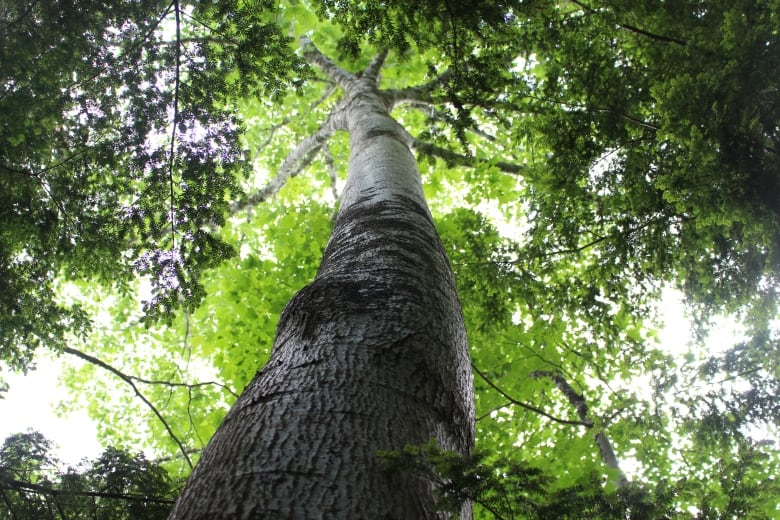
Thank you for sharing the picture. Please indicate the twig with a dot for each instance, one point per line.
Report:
(528, 406)
(18, 485)
(129, 380)
(494, 409)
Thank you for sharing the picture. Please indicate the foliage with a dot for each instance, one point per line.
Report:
(223, 344)
(505, 486)
(120, 152)
(664, 147)
(116, 485)
(579, 158)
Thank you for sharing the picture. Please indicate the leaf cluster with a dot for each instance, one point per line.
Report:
(120, 150)
(450, 27)
(116, 485)
(508, 488)
(657, 137)
(504, 487)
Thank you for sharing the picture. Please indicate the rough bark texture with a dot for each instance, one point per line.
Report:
(372, 355)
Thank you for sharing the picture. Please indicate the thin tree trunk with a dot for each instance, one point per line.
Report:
(372, 355)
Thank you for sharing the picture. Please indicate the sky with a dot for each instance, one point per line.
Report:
(31, 403)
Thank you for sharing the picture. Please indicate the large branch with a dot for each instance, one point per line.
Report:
(129, 380)
(307, 149)
(297, 160)
(372, 70)
(313, 55)
(286, 120)
(579, 404)
(456, 158)
(526, 405)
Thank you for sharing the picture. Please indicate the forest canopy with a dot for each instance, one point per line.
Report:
(169, 179)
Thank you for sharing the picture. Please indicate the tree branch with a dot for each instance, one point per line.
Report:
(295, 161)
(313, 55)
(183, 385)
(331, 170)
(525, 405)
(567, 104)
(39, 177)
(636, 30)
(172, 153)
(129, 380)
(372, 70)
(593, 242)
(419, 93)
(653, 36)
(494, 409)
(456, 158)
(579, 404)
(273, 128)
(18, 485)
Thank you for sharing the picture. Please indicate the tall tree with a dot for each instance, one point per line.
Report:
(629, 146)
(372, 355)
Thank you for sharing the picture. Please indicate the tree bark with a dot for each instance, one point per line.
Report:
(372, 355)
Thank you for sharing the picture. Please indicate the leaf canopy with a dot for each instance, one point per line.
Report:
(579, 157)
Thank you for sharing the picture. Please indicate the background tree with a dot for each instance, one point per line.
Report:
(116, 485)
(630, 147)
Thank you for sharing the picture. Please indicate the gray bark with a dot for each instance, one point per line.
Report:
(372, 355)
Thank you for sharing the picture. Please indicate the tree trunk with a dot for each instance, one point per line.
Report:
(372, 355)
